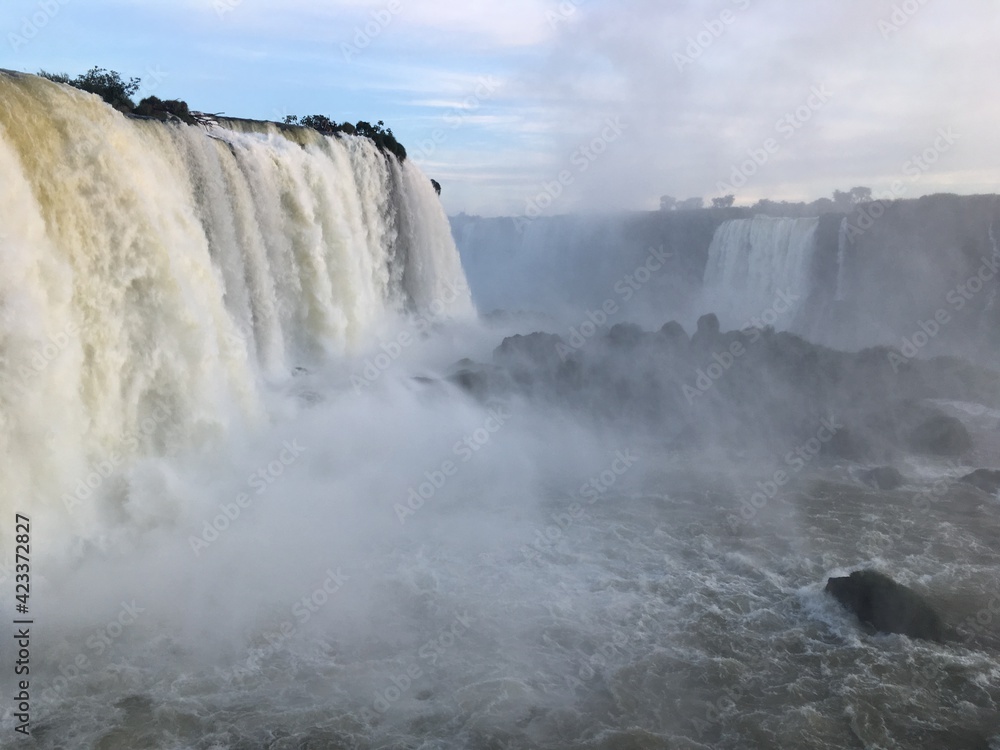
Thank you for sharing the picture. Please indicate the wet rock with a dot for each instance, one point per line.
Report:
(887, 606)
(707, 330)
(988, 480)
(882, 477)
(940, 435)
(673, 333)
(625, 335)
(535, 349)
(475, 382)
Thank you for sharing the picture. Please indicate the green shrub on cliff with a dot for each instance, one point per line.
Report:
(382, 136)
(107, 84)
(159, 109)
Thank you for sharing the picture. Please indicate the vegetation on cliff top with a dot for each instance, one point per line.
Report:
(378, 133)
(107, 84)
(118, 92)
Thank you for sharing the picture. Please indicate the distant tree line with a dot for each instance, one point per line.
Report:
(670, 203)
(842, 202)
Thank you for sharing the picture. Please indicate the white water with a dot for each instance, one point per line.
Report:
(759, 269)
(842, 240)
(165, 273)
(179, 279)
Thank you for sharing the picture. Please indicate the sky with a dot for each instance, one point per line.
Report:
(528, 107)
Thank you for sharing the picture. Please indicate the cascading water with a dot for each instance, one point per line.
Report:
(399, 547)
(150, 270)
(842, 240)
(759, 268)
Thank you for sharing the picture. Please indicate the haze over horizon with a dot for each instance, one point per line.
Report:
(578, 105)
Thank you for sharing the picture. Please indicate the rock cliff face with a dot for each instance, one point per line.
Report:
(925, 271)
(919, 275)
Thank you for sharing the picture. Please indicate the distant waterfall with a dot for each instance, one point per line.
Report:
(152, 275)
(759, 269)
(842, 240)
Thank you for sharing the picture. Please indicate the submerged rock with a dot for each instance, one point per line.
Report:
(882, 477)
(887, 606)
(988, 480)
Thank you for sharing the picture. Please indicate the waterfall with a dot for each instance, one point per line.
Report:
(759, 270)
(842, 240)
(154, 276)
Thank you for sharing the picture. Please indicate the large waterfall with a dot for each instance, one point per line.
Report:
(155, 276)
(282, 489)
(759, 270)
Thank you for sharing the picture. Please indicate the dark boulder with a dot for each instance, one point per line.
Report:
(538, 359)
(673, 333)
(988, 480)
(887, 606)
(625, 335)
(940, 435)
(474, 382)
(707, 331)
(534, 349)
(882, 477)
